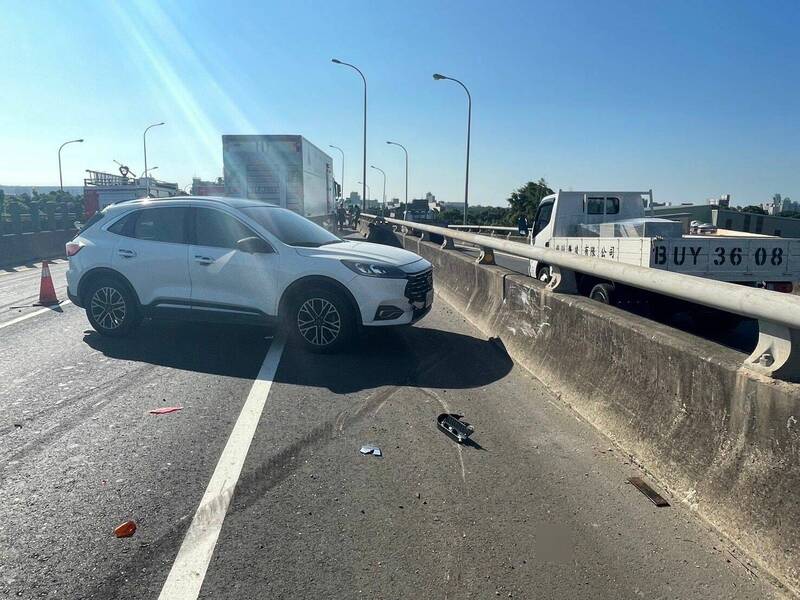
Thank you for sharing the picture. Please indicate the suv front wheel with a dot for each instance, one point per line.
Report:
(110, 308)
(321, 319)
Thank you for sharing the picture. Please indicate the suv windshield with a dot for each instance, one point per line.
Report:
(290, 228)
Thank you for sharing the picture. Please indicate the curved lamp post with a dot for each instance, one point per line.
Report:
(439, 77)
(61, 179)
(144, 143)
(364, 167)
(406, 152)
(341, 190)
(383, 207)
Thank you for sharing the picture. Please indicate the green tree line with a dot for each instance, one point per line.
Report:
(523, 201)
(26, 201)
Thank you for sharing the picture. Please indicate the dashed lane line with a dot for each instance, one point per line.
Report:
(189, 569)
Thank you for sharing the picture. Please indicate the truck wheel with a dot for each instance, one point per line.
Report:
(603, 292)
(321, 320)
(543, 273)
(111, 308)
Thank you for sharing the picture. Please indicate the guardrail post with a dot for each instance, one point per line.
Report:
(425, 237)
(777, 353)
(486, 257)
(447, 244)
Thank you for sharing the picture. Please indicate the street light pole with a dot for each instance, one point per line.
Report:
(341, 190)
(363, 200)
(406, 151)
(60, 178)
(438, 77)
(383, 208)
(144, 143)
(364, 167)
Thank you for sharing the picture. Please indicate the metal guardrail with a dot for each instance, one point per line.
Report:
(777, 352)
(491, 230)
(482, 228)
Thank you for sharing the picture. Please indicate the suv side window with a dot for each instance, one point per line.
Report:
(124, 225)
(160, 225)
(218, 229)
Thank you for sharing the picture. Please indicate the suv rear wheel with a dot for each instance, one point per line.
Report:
(321, 319)
(111, 308)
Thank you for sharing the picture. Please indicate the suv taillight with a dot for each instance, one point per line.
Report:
(73, 248)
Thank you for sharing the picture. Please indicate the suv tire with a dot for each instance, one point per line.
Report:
(111, 308)
(321, 319)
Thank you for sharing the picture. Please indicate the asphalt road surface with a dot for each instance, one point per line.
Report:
(256, 487)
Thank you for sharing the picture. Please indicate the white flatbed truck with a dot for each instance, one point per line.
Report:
(614, 226)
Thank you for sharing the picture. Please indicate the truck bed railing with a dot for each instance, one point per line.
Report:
(777, 352)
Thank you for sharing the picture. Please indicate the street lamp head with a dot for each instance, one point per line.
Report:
(336, 60)
(437, 76)
(162, 123)
(80, 140)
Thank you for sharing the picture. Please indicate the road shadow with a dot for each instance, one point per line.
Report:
(410, 356)
(202, 348)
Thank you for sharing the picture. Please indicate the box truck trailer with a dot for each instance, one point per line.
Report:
(285, 170)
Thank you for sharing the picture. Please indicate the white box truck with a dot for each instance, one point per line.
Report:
(614, 226)
(286, 170)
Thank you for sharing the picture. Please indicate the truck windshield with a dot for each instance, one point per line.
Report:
(290, 228)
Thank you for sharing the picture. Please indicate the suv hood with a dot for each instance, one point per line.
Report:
(363, 251)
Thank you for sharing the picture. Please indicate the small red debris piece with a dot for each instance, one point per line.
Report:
(127, 529)
(165, 410)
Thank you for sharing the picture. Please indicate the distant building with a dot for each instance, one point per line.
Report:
(353, 198)
(430, 198)
(788, 206)
(723, 201)
(734, 220)
(208, 188)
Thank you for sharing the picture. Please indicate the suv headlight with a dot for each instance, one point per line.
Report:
(372, 269)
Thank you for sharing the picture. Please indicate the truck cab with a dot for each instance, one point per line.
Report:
(567, 214)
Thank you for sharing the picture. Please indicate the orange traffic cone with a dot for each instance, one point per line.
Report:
(47, 293)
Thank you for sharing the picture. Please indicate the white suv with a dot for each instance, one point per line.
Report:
(241, 261)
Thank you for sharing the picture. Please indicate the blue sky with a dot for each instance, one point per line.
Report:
(692, 99)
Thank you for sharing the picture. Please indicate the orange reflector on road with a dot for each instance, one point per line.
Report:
(127, 529)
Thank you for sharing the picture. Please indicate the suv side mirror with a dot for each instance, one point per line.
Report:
(254, 245)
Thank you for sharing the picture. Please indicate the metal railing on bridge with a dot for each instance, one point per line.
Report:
(491, 230)
(777, 352)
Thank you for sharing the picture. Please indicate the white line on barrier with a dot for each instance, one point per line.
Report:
(189, 569)
(33, 314)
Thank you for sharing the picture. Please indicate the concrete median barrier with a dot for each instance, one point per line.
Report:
(21, 248)
(722, 439)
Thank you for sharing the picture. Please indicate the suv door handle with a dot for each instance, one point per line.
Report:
(203, 260)
(126, 253)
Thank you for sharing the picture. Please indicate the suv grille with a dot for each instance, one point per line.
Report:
(418, 286)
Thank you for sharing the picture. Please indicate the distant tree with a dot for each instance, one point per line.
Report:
(792, 214)
(757, 210)
(452, 215)
(526, 199)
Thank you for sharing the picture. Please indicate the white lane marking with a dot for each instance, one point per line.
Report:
(189, 569)
(33, 314)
